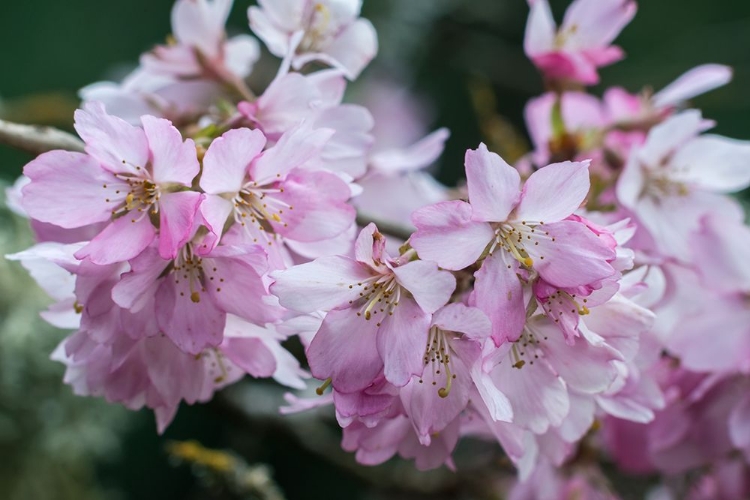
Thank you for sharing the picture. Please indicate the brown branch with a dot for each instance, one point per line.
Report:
(258, 403)
(37, 139)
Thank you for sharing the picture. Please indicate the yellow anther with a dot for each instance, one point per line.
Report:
(195, 297)
(528, 262)
(319, 391)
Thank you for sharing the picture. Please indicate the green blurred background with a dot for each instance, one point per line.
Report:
(56, 446)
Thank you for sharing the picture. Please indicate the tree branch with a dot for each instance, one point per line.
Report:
(256, 403)
(37, 139)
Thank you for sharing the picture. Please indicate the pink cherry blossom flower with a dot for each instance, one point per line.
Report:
(316, 99)
(394, 435)
(201, 49)
(538, 371)
(328, 31)
(144, 93)
(452, 368)
(678, 176)
(271, 194)
(154, 372)
(582, 117)
(517, 232)
(193, 293)
(398, 175)
(134, 178)
(379, 311)
(582, 43)
(636, 113)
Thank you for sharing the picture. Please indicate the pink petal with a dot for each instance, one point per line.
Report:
(497, 405)
(540, 29)
(67, 189)
(319, 208)
(499, 294)
(345, 350)
(241, 52)
(237, 286)
(714, 163)
(284, 104)
(251, 355)
(721, 246)
(262, 25)
(571, 255)
(450, 221)
(192, 326)
(401, 341)
(739, 425)
(369, 248)
(173, 373)
(597, 22)
(200, 24)
(430, 287)
(439, 451)
(416, 157)
(457, 317)
(554, 192)
(323, 284)
(354, 48)
(215, 211)
(137, 288)
(172, 160)
(295, 148)
(429, 412)
(227, 160)
(493, 185)
(177, 215)
(114, 142)
(120, 241)
(582, 366)
(695, 82)
(538, 396)
(667, 137)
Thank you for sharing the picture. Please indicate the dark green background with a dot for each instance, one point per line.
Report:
(56, 47)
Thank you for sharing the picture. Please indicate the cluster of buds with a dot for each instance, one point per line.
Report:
(594, 295)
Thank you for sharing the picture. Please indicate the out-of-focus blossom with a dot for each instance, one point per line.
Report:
(678, 176)
(326, 31)
(582, 44)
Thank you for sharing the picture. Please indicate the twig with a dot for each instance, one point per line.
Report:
(37, 139)
(260, 402)
(250, 480)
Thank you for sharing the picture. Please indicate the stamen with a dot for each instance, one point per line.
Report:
(319, 391)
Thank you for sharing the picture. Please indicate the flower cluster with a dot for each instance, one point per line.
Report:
(593, 296)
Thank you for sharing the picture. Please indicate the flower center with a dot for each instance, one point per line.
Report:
(660, 185)
(197, 272)
(513, 238)
(253, 205)
(379, 294)
(317, 34)
(525, 348)
(142, 194)
(439, 355)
